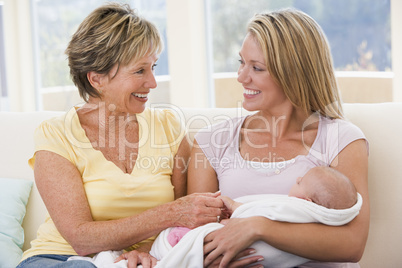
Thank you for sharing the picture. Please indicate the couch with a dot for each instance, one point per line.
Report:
(380, 122)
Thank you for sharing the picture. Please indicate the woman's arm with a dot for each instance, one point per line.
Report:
(202, 178)
(314, 241)
(180, 165)
(201, 175)
(60, 185)
(318, 241)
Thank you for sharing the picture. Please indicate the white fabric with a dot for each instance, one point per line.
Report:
(104, 259)
(292, 209)
(189, 251)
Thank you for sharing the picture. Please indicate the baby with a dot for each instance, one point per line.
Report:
(322, 195)
(322, 185)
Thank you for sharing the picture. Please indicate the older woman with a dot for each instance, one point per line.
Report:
(110, 170)
(288, 79)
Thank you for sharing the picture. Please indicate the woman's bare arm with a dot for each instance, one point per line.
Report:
(201, 176)
(318, 241)
(314, 241)
(60, 185)
(180, 169)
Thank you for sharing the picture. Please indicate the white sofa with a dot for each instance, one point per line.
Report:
(380, 122)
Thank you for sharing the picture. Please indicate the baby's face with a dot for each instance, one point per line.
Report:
(298, 189)
(302, 186)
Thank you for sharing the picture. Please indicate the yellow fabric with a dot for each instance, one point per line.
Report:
(111, 193)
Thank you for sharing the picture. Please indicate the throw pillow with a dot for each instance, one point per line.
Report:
(14, 194)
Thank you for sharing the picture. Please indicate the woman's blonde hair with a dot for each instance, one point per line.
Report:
(298, 57)
(111, 34)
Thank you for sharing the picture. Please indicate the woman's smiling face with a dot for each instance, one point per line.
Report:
(260, 90)
(127, 86)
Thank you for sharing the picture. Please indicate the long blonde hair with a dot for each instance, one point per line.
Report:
(298, 57)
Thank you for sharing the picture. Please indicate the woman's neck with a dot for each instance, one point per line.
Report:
(279, 124)
(105, 115)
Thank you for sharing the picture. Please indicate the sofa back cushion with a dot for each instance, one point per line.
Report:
(380, 123)
(17, 146)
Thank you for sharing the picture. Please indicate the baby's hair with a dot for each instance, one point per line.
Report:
(333, 189)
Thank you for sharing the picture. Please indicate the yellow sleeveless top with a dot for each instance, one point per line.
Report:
(111, 193)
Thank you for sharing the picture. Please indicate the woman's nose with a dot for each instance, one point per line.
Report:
(151, 81)
(242, 75)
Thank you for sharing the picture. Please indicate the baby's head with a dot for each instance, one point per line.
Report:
(327, 187)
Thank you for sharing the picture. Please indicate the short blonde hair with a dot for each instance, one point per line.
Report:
(298, 57)
(111, 34)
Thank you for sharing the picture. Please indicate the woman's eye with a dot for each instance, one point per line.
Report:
(241, 62)
(153, 66)
(141, 71)
(257, 69)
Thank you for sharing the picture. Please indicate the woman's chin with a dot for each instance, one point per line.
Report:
(137, 107)
(135, 110)
(250, 108)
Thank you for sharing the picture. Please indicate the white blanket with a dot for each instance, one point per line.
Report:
(189, 251)
(104, 259)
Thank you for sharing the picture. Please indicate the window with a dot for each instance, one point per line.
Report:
(55, 22)
(359, 34)
(358, 31)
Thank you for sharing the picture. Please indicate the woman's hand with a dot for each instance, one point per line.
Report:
(230, 206)
(136, 257)
(226, 245)
(240, 260)
(197, 209)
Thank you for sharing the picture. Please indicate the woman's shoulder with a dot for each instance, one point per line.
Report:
(165, 118)
(65, 128)
(334, 135)
(228, 124)
(167, 122)
(162, 114)
(342, 127)
(61, 121)
(220, 133)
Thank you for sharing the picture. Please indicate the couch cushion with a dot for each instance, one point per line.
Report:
(14, 195)
(383, 129)
(17, 146)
